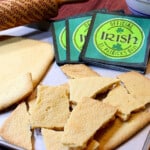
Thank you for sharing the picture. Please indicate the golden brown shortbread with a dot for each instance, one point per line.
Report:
(78, 71)
(16, 128)
(51, 109)
(119, 132)
(86, 118)
(125, 102)
(14, 90)
(89, 87)
(20, 55)
(52, 139)
(136, 83)
(92, 145)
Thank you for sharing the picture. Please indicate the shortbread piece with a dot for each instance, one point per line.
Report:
(86, 118)
(30, 103)
(124, 102)
(16, 129)
(136, 83)
(51, 109)
(78, 71)
(14, 90)
(20, 55)
(32, 98)
(89, 87)
(52, 140)
(119, 132)
(93, 145)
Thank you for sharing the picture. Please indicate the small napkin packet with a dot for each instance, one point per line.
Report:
(76, 29)
(59, 40)
(66, 45)
(118, 41)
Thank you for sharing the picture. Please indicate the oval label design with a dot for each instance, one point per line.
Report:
(118, 38)
(80, 34)
(62, 38)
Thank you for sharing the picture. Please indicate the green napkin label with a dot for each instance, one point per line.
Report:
(59, 40)
(77, 29)
(62, 38)
(80, 33)
(117, 40)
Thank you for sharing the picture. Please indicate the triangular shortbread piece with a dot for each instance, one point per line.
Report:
(78, 71)
(119, 132)
(125, 102)
(51, 109)
(16, 129)
(86, 118)
(14, 90)
(89, 87)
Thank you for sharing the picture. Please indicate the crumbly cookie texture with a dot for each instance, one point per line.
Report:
(51, 109)
(90, 87)
(121, 131)
(14, 90)
(16, 129)
(79, 127)
(75, 71)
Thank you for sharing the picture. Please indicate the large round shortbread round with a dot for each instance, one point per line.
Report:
(20, 55)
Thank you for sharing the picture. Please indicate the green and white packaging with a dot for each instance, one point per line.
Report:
(59, 40)
(118, 40)
(77, 29)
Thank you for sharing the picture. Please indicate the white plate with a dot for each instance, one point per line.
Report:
(55, 77)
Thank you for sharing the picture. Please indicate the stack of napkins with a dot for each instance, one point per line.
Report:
(107, 39)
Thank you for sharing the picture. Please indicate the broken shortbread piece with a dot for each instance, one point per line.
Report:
(120, 131)
(14, 90)
(51, 109)
(16, 129)
(86, 118)
(124, 102)
(78, 71)
(92, 145)
(52, 139)
(19, 55)
(89, 87)
(136, 83)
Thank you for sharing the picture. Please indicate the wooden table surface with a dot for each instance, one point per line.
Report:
(72, 9)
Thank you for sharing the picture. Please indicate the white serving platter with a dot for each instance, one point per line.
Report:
(55, 77)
